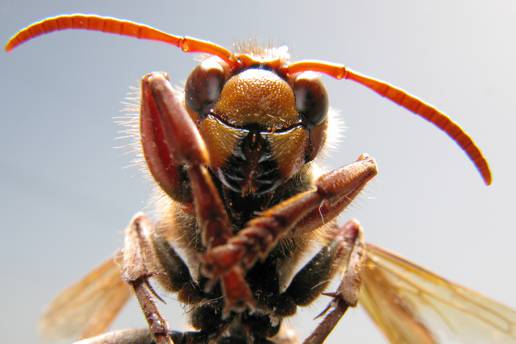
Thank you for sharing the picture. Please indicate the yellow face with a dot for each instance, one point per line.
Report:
(260, 127)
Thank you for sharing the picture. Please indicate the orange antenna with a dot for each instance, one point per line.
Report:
(189, 44)
(406, 100)
(116, 26)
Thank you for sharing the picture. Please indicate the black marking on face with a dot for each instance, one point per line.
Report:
(251, 169)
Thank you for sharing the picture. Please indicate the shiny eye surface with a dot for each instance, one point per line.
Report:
(311, 98)
(203, 86)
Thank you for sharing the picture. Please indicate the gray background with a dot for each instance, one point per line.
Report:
(66, 196)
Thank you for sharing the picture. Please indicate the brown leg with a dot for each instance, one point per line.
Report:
(301, 213)
(347, 292)
(180, 141)
(173, 131)
(139, 264)
(161, 160)
(311, 281)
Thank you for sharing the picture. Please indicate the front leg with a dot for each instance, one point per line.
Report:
(300, 214)
(171, 139)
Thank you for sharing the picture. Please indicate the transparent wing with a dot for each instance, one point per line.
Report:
(88, 307)
(413, 305)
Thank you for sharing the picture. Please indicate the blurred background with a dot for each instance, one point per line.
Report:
(67, 193)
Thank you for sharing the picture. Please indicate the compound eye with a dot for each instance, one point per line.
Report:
(311, 99)
(203, 86)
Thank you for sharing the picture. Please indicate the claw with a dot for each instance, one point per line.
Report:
(153, 291)
(323, 312)
(237, 295)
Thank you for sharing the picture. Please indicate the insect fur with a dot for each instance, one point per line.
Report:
(234, 161)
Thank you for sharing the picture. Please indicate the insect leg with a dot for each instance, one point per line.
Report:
(164, 166)
(299, 214)
(315, 276)
(347, 292)
(139, 264)
(173, 130)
